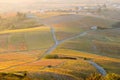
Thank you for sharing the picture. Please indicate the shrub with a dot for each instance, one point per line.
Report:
(51, 56)
(14, 76)
(112, 76)
(95, 77)
(49, 66)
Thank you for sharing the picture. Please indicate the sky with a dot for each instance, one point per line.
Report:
(10, 5)
(18, 1)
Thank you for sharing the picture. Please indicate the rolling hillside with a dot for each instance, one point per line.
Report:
(70, 25)
(64, 47)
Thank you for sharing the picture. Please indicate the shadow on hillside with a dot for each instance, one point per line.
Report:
(117, 25)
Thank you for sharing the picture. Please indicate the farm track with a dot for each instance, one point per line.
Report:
(57, 43)
(98, 67)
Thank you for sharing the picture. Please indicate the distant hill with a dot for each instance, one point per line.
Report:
(23, 5)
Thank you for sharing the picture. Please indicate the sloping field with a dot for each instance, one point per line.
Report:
(70, 25)
(106, 62)
(26, 39)
(102, 42)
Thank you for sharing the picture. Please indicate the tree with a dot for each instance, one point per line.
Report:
(99, 8)
(0, 17)
(77, 10)
(95, 76)
(110, 76)
(20, 15)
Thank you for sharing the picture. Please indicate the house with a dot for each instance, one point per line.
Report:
(94, 27)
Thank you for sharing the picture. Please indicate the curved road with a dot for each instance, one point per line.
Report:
(98, 67)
